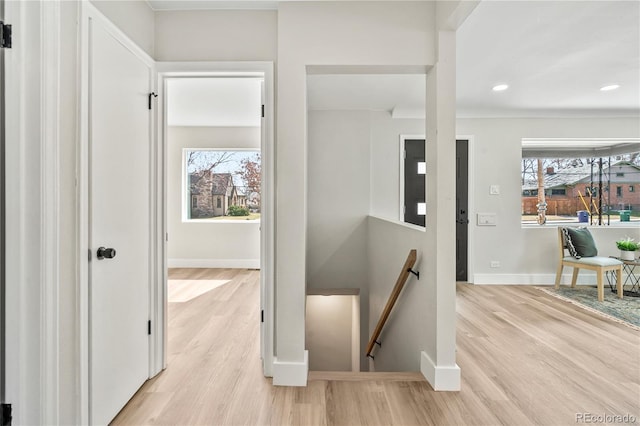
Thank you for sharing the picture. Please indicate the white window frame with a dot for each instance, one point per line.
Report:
(548, 148)
(185, 199)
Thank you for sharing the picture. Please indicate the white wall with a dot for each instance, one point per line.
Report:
(134, 17)
(361, 33)
(329, 332)
(385, 161)
(197, 244)
(338, 198)
(403, 337)
(220, 35)
(338, 204)
(526, 254)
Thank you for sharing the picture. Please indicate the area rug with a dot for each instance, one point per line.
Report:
(625, 311)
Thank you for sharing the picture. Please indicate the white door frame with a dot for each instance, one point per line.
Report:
(471, 194)
(89, 13)
(32, 211)
(470, 205)
(267, 235)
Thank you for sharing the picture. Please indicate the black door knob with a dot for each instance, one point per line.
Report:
(106, 253)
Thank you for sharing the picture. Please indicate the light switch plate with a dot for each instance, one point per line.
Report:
(486, 219)
(494, 190)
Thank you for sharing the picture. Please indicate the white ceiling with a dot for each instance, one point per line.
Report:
(223, 102)
(554, 55)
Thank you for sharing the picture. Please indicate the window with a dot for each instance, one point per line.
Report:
(212, 175)
(414, 166)
(572, 185)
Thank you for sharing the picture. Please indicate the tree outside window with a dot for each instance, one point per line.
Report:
(222, 184)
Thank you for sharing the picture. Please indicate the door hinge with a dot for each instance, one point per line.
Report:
(149, 327)
(262, 315)
(5, 35)
(151, 96)
(262, 111)
(5, 414)
(89, 255)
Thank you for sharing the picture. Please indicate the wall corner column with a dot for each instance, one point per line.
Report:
(439, 363)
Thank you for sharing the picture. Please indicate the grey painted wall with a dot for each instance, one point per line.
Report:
(224, 244)
(403, 337)
(338, 203)
(216, 35)
(329, 332)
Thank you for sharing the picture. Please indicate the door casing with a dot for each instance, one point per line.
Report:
(32, 267)
(470, 188)
(470, 204)
(462, 210)
(267, 223)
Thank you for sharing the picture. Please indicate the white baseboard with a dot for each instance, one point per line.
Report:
(214, 263)
(291, 373)
(441, 378)
(531, 279)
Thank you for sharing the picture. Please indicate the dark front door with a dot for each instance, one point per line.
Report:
(414, 181)
(462, 212)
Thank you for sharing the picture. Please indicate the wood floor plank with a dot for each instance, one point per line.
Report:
(527, 358)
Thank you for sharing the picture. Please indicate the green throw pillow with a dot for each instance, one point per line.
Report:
(583, 242)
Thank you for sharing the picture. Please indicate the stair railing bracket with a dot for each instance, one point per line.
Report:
(416, 273)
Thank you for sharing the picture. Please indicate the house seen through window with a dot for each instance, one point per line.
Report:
(558, 190)
(222, 185)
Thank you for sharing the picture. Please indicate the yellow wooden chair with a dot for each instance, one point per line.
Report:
(599, 264)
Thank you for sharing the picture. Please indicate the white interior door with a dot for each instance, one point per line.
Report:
(119, 218)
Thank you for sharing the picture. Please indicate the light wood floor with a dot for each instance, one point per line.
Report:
(526, 358)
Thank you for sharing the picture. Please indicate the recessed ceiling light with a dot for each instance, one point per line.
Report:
(609, 87)
(500, 87)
